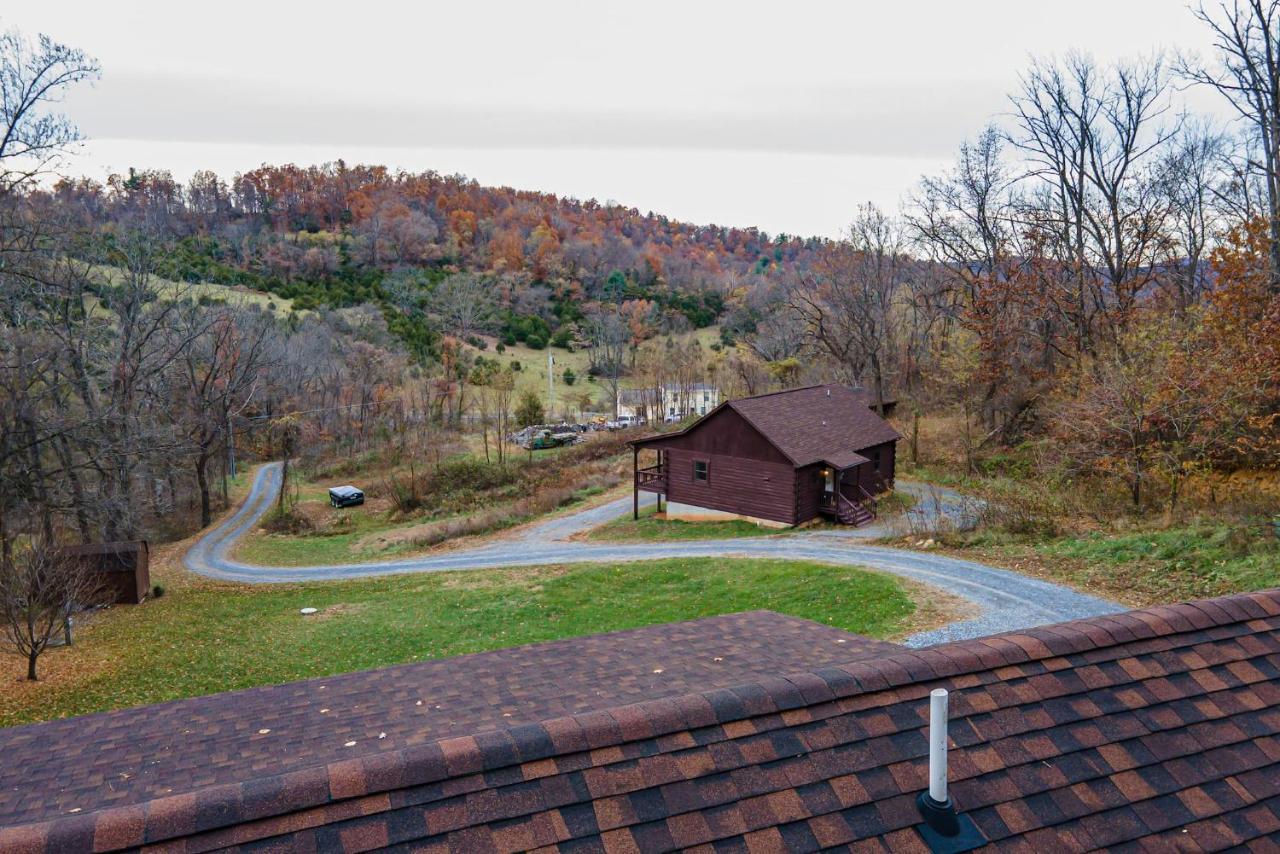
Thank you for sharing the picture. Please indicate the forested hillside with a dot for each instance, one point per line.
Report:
(526, 264)
(1091, 294)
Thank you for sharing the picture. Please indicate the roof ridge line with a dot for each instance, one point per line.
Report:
(440, 759)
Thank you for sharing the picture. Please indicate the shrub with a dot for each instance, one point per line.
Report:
(535, 342)
(470, 473)
(501, 348)
(287, 522)
(569, 376)
(157, 591)
(562, 339)
(515, 365)
(529, 409)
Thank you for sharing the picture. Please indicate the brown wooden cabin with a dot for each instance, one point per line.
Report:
(777, 459)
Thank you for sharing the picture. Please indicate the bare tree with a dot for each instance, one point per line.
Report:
(34, 76)
(847, 302)
(608, 337)
(1247, 39)
(463, 302)
(40, 588)
(219, 368)
(1091, 136)
(1189, 176)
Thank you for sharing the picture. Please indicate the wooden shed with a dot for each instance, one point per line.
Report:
(125, 568)
(776, 459)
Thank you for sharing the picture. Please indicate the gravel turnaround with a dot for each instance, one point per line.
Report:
(1006, 600)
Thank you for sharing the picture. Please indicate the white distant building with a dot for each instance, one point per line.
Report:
(671, 402)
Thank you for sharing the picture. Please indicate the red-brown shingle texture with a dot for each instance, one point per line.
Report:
(1156, 729)
(817, 423)
(137, 755)
(821, 423)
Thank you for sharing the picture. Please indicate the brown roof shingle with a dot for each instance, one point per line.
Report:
(815, 424)
(1153, 729)
(136, 755)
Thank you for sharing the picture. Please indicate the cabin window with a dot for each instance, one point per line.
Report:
(875, 460)
(700, 470)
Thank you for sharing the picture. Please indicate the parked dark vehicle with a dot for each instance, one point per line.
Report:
(345, 496)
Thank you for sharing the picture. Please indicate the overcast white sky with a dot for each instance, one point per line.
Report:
(781, 115)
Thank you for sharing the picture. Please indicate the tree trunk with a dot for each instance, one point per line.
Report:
(202, 479)
(915, 438)
(31, 666)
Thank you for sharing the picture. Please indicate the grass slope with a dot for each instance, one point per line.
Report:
(196, 290)
(1141, 568)
(203, 637)
(1179, 563)
(649, 528)
(533, 368)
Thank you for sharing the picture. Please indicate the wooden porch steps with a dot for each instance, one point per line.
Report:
(853, 512)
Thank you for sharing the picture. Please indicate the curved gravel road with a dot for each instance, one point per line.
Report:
(1006, 600)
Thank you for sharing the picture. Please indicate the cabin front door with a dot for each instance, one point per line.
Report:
(828, 477)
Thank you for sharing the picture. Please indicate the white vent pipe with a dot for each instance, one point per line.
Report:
(938, 745)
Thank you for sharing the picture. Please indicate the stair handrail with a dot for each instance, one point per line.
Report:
(872, 500)
(854, 505)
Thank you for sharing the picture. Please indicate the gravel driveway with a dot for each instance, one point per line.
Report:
(1006, 600)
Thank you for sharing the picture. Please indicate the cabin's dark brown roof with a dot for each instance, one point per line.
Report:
(815, 424)
(1154, 729)
(140, 754)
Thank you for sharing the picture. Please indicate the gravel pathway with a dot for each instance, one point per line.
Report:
(1006, 600)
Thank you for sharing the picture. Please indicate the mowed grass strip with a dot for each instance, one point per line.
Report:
(205, 638)
(651, 528)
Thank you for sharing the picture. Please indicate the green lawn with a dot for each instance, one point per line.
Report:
(321, 547)
(1180, 563)
(649, 527)
(1142, 567)
(533, 367)
(206, 638)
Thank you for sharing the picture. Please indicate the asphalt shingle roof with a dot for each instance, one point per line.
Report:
(811, 424)
(134, 755)
(815, 424)
(1153, 729)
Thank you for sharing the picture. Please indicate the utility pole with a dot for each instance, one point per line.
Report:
(551, 389)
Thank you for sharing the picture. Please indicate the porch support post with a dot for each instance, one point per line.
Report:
(635, 489)
(662, 464)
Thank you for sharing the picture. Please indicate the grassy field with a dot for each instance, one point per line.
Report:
(464, 496)
(367, 535)
(197, 290)
(649, 527)
(533, 367)
(1176, 563)
(1140, 567)
(204, 637)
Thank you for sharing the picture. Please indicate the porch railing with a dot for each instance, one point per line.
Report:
(652, 478)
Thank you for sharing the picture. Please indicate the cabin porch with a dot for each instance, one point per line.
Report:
(845, 497)
(652, 478)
